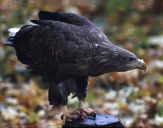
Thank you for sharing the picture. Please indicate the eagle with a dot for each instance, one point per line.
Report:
(65, 49)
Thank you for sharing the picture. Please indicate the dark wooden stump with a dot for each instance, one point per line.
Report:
(99, 121)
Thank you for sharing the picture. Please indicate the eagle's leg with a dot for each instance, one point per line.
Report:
(58, 97)
(69, 115)
(81, 94)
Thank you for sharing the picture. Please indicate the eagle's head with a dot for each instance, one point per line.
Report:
(116, 59)
(124, 60)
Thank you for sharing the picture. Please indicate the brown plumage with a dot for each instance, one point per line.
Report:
(67, 48)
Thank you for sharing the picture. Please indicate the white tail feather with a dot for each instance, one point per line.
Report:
(13, 31)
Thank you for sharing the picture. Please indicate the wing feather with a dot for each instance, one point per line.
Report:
(70, 18)
(54, 45)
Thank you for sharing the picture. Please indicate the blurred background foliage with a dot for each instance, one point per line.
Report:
(134, 96)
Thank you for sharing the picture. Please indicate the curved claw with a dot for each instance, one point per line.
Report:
(86, 112)
(70, 115)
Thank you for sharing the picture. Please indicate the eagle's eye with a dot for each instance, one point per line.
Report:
(131, 58)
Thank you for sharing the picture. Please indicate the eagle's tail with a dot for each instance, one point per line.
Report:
(12, 33)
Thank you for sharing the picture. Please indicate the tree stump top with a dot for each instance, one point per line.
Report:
(99, 121)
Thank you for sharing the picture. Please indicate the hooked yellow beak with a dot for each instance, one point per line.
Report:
(141, 65)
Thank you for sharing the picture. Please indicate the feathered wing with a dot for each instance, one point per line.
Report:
(55, 49)
(55, 46)
(70, 18)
